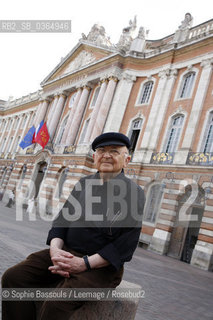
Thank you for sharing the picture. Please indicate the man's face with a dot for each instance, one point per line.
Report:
(111, 159)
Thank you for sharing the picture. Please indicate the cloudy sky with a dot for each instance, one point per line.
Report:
(27, 58)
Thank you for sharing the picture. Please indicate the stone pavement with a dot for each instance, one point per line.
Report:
(174, 290)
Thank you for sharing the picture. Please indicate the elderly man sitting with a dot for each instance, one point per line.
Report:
(94, 234)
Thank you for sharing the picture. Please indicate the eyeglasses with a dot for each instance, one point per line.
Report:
(111, 152)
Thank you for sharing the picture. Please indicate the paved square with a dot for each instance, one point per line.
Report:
(173, 290)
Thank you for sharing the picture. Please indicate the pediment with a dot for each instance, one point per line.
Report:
(81, 57)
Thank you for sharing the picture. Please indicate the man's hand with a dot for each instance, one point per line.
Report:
(64, 262)
(58, 255)
(65, 265)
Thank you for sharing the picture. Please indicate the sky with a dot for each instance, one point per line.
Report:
(27, 58)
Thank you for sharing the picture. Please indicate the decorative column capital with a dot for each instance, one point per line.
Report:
(164, 73)
(45, 98)
(113, 78)
(174, 72)
(128, 77)
(78, 88)
(206, 63)
(63, 94)
(87, 87)
(103, 79)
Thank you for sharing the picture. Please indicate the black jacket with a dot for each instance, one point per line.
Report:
(102, 218)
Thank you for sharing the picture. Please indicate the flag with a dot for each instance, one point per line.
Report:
(28, 139)
(42, 136)
(38, 128)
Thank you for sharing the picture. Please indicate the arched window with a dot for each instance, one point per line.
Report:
(208, 139)
(95, 97)
(84, 131)
(173, 135)
(134, 133)
(153, 202)
(72, 100)
(187, 84)
(61, 130)
(145, 92)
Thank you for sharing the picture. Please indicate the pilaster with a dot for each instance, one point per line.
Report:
(119, 104)
(104, 107)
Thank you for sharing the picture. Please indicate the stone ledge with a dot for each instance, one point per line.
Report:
(121, 309)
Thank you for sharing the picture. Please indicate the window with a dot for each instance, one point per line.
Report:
(84, 131)
(174, 134)
(208, 139)
(154, 198)
(72, 100)
(32, 120)
(187, 84)
(3, 144)
(9, 124)
(134, 133)
(16, 123)
(23, 122)
(2, 125)
(9, 144)
(61, 130)
(95, 97)
(145, 92)
(16, 144)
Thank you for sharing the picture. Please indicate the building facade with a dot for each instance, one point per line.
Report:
(160, 94)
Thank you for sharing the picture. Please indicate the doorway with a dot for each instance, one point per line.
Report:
(39, 178)
(185, 233)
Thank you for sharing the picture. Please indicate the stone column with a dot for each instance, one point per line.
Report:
(119, 104)
(194, 117)
(4, 130)
(16, 134)
(24, 132)
(37, 112)
(104, 108)
(8, 135)
(71, 116)
(156, 116)
(56, 115)
(52, 109)
(78, 116)
(42, 112)
(95, 110)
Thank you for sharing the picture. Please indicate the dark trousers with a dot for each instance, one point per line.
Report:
(33, 273)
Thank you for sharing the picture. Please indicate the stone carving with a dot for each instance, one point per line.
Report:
(183, 30)
(127, 36)
(187, 22)
(139, 43)
(84, 58)
(97, 35)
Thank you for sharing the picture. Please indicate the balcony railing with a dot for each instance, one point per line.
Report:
(69, 149)
(200, 158)
(162, 157)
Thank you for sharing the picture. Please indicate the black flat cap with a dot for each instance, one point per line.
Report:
(111, 139)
